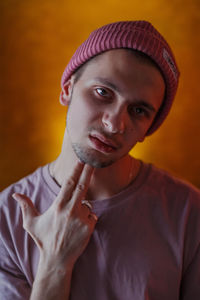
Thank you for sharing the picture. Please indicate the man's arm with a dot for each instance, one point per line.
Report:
(61, 234)
(13, 283)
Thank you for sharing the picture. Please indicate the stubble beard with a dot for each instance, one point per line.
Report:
(89, 157)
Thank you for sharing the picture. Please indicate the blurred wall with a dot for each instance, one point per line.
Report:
(38, 39)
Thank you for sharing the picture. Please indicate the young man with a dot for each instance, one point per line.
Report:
(99, 224)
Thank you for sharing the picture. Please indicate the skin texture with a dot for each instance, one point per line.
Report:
(71, 226)
(111, 107)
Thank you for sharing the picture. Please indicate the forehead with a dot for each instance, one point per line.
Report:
(116, 56)
(124, 65)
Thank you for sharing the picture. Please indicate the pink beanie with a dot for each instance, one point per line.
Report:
(137, 35)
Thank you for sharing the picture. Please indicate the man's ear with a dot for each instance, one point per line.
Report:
(66, 93)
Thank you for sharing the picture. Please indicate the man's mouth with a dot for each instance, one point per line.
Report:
(102, 143)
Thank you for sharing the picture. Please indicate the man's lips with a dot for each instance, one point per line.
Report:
(102, 143)
(104, 140)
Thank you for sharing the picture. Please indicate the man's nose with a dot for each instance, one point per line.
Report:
(114, 121)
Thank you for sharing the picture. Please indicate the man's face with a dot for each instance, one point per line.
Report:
(112, 106)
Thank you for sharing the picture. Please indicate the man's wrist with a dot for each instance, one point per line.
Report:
(52, 281)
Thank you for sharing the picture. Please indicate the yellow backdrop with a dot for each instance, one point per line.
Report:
(38, 39)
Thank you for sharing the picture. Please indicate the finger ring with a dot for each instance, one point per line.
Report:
(87, 203)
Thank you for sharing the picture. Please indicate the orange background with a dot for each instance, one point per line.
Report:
(38, 39)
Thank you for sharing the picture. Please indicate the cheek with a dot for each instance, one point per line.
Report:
(81, 115)
(136, 133)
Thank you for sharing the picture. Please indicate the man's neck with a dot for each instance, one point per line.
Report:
(111, 180)
(105, 182)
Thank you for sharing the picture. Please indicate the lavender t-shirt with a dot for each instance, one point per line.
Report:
(145, 244)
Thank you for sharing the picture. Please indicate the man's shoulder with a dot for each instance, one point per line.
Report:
(171, 184)
(25, 185)
(170, 178)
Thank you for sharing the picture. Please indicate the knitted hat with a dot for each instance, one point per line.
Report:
(137, 35)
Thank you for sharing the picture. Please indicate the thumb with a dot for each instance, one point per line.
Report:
(27, 208)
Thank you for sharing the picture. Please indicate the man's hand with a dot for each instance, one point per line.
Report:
(62, 232)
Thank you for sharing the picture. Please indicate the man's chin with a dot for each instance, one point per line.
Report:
(94, 162)
(92, 159)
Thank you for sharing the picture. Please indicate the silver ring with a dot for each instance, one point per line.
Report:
(87, 203)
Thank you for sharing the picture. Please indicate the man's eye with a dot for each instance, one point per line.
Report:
(137, 111)
(102, 92)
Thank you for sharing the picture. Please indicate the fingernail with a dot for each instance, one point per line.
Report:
(80, 162)
(95, 217)
(15, 196)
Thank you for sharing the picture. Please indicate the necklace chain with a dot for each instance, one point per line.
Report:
(132, 171)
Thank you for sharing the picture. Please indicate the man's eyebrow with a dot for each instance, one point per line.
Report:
(145, 104)
(116, 88)
(107, 83)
